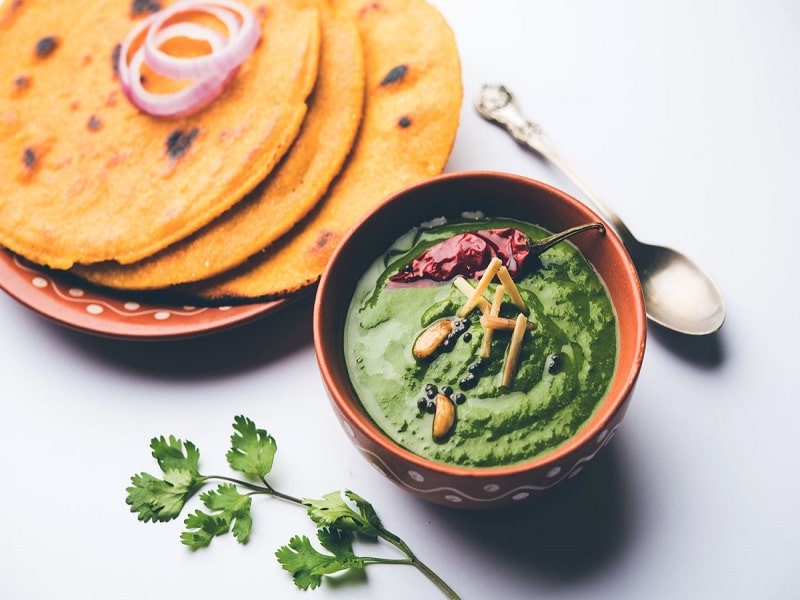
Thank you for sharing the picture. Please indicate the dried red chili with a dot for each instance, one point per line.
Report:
(468, 254)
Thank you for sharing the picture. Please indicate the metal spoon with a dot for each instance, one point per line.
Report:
(678, 294)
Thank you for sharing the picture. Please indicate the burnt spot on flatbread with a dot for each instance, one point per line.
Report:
(179, 142)
(21, 83)
(29, 158)
(367, 8)
(94, 123)
(323, 239)
(46, 46)
(394, 75)
(404, 122)
(115, 59)
(141, 7)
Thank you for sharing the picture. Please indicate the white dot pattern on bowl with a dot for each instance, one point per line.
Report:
(348, 429)
(416, 476)
(491, 492)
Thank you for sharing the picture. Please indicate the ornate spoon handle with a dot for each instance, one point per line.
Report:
(495, 103)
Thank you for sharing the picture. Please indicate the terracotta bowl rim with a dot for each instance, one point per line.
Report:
(346, 401)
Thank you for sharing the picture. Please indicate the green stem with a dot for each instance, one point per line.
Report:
(374, 560)
(260, 489)
(437, 581)
(394, 540)
(418, 564)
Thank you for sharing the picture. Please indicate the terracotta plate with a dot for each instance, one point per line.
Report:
(84, 308)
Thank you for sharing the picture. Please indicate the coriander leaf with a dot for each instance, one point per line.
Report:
(333, 511)
(202, 528)
(366, 509)
(252, 450)
(170, 454)
(161, 499)
(232, 513)
(307, 565)
(337, 541)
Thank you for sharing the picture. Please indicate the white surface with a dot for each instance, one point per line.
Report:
(684, 115)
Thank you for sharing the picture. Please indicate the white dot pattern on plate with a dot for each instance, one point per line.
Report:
(94, 309)
(99, 306)
(553, 472)
(491, 487)
(520, 496)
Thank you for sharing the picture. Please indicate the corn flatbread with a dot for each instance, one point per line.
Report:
(411, 115)
(87, 177)
(291, 191)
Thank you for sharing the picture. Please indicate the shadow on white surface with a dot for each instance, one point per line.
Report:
(706, 351)
(227, 352)
(567, 534)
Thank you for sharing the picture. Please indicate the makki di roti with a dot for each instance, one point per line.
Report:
(87, 177)
(411, 116)
(144, 231)
(283, 198)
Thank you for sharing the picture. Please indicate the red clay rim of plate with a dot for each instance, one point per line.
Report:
(86, 309)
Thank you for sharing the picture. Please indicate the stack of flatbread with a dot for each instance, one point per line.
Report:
(341, 103)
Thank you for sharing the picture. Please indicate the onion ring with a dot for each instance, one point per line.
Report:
(209, 73)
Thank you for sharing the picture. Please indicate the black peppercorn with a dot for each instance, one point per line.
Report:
(468, 382)
(554, 363)
(477, 367)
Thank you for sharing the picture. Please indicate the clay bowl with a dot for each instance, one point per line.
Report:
(500, 195)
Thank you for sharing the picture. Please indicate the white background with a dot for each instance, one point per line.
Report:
(684, 115)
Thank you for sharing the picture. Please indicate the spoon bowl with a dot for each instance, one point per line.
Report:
(678, 294)
(696, 310)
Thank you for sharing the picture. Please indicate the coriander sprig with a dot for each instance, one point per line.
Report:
(340, 518)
